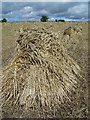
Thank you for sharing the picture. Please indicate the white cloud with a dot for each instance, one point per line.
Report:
(29, 15)
(26, 10)
(33, 11)
(42, 12)
(0, 16)
(45, 0)
(34, 15)
(52, 19)
(80, 9)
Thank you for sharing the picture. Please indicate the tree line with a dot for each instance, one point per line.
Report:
(43, 18)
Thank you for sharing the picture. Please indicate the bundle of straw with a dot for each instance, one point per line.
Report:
(42, 74)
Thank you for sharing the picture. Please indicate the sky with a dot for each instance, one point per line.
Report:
(32, 11)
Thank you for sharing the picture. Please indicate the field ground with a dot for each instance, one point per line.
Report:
(77, 47)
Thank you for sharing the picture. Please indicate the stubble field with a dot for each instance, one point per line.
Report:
(76, 43)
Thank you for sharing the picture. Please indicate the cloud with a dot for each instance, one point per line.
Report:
(79, 9)
(55, 10)
(26, 9)
(45, 1)
(0, 11)
(77, 12)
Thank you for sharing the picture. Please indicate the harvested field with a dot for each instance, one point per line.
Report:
(45, 69)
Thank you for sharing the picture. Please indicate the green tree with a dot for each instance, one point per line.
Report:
(44, 18)
(56, 20)
(4, 20)
(61, 20)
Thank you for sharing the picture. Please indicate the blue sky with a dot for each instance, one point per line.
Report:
(25, 11)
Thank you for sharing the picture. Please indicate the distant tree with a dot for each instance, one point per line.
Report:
(61, 20)
(56, 20)
(4, 20)
(44, 18)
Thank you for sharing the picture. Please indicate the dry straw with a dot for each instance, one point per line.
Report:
(42, 74)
